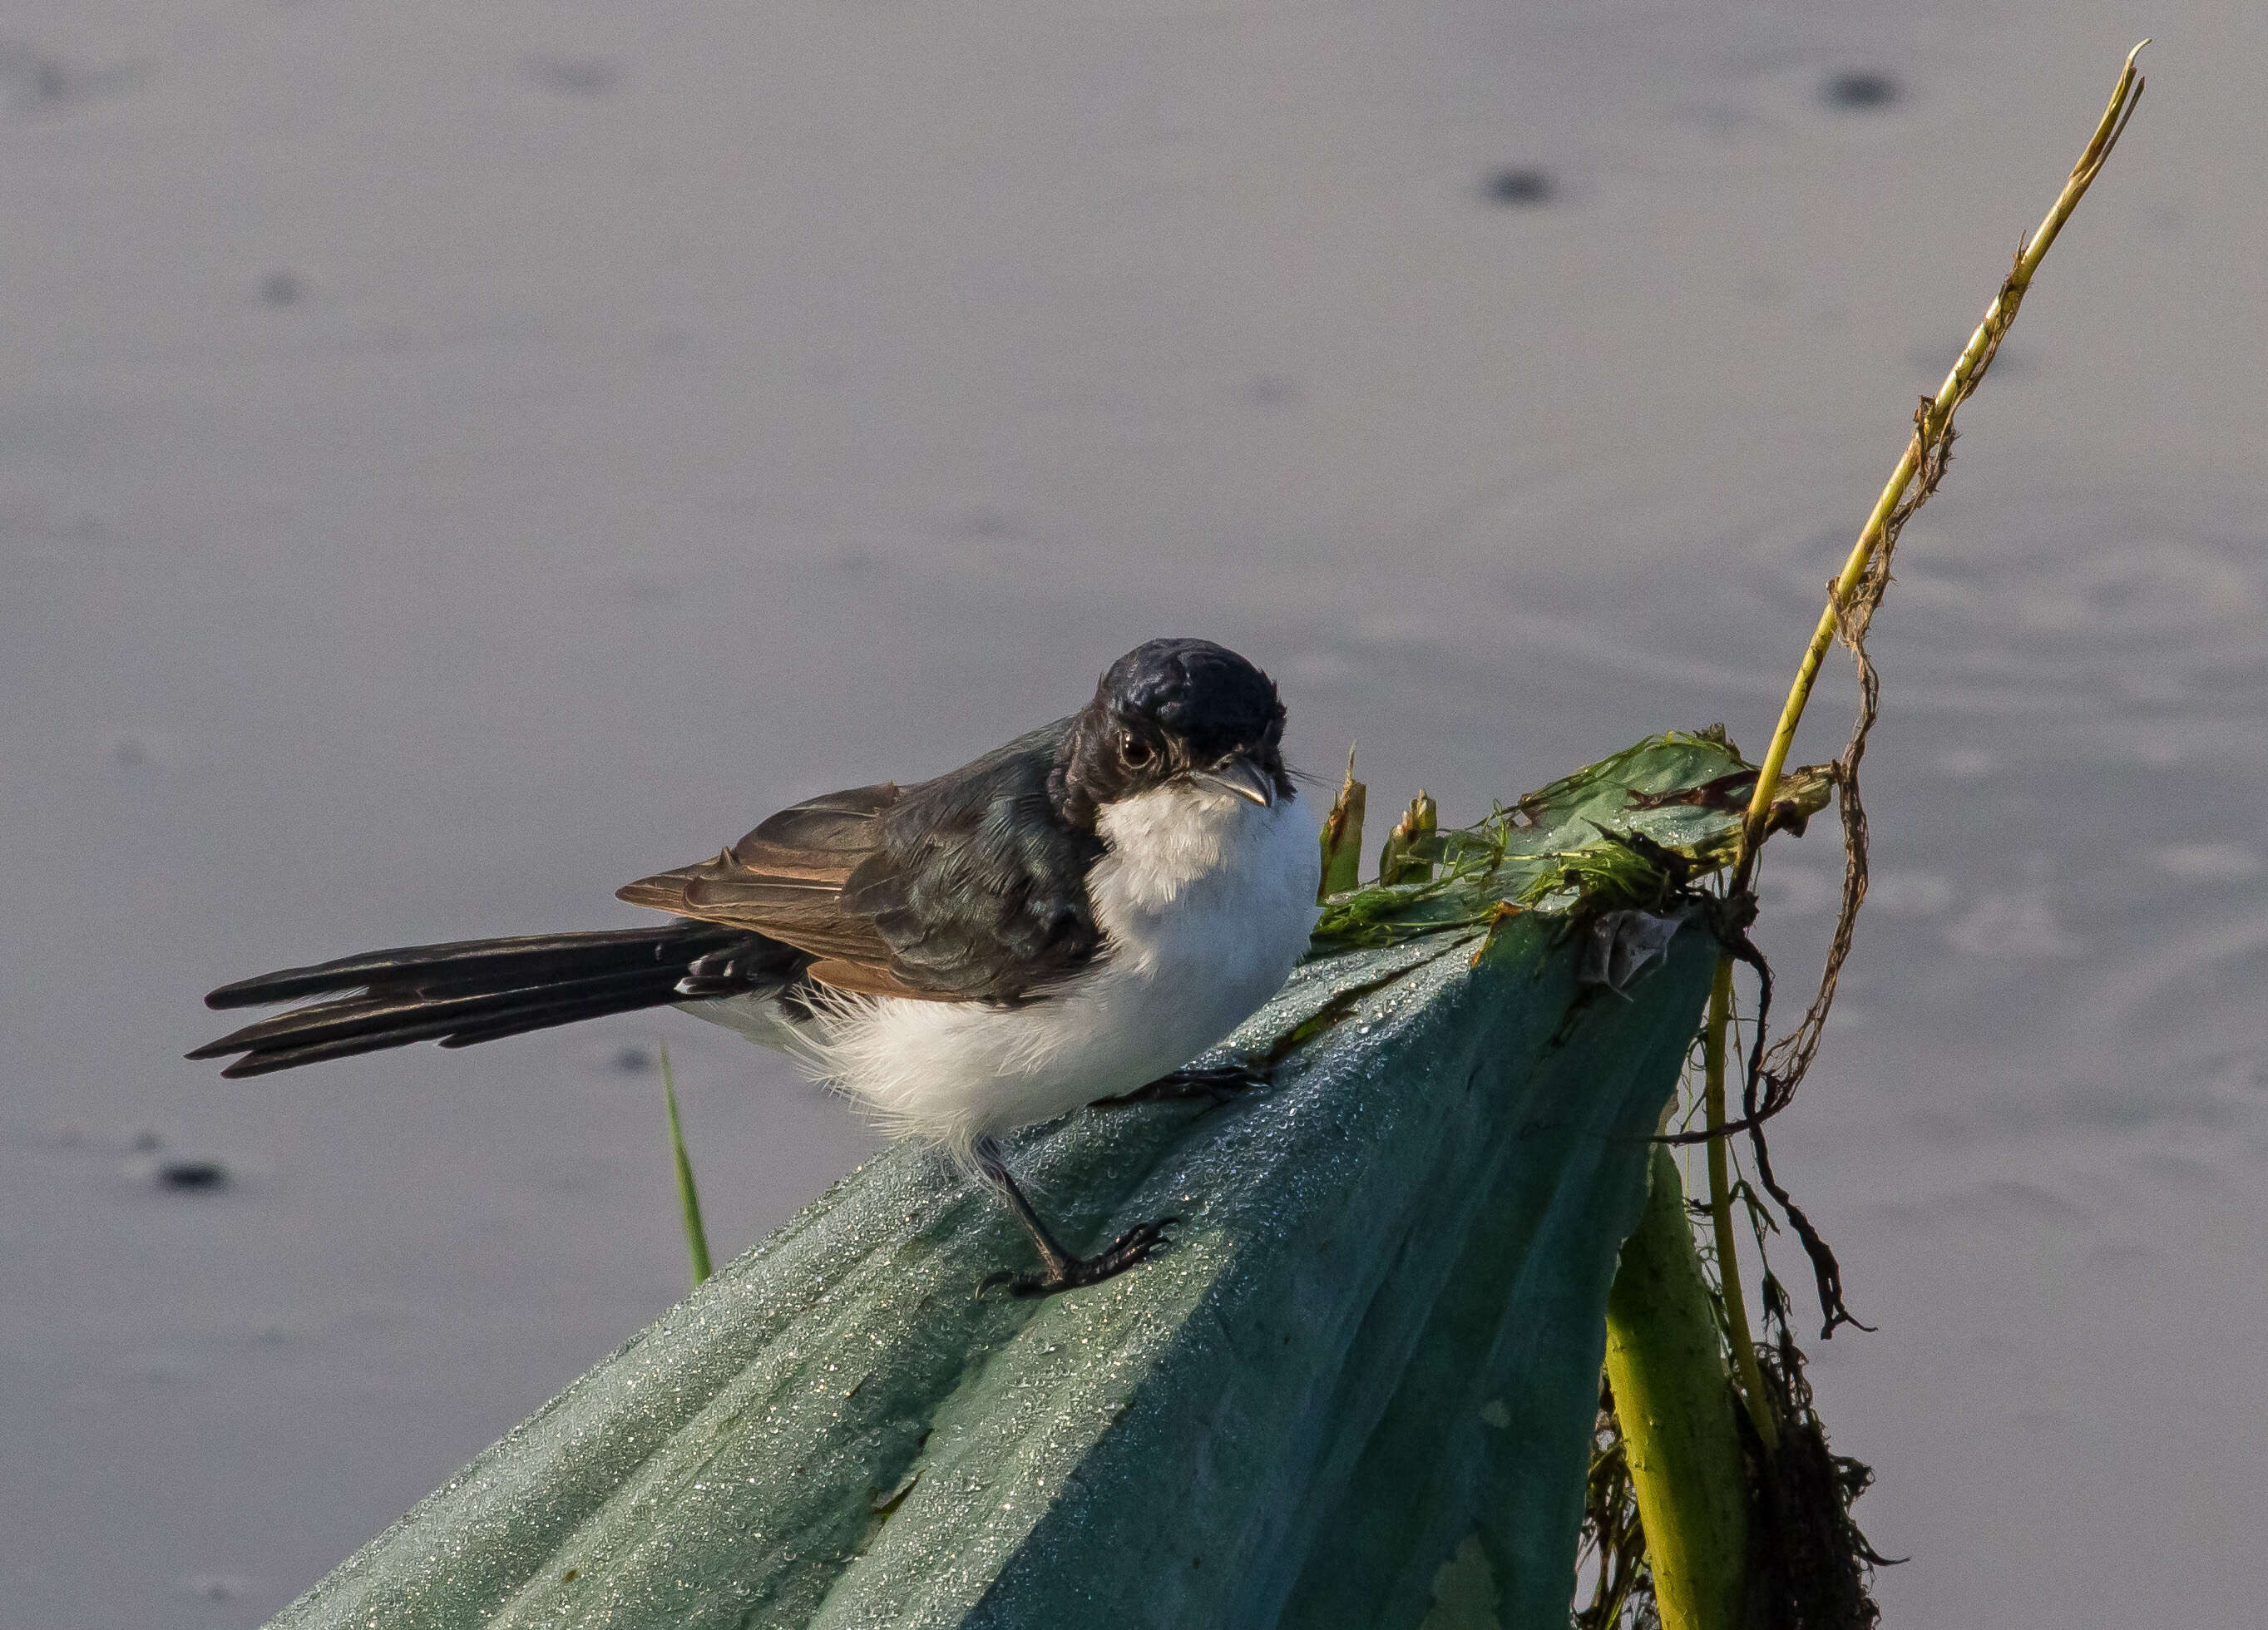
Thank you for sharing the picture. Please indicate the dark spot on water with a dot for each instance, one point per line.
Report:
(1519, 188)
(37, 85)
(1856, 90)
(575, 76)
(983, 524)
(216, 1587)
(1274, 390)
(571, 1574)
(633, 1061)
(282, 288)
(640, 589)
(145, 1141)
(198, 1176)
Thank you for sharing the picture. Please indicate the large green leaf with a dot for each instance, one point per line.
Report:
(1357, 1391)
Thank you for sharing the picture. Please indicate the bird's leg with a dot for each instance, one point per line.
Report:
(1220, 1083)
(1061, 1271)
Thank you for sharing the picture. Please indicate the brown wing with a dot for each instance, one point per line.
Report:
(784, 880)
(970, 887)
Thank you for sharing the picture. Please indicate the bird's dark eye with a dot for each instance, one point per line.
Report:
(1134, 750)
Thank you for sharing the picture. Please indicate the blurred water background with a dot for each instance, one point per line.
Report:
(455, 458)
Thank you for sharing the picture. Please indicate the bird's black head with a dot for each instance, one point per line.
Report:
(1175, 709)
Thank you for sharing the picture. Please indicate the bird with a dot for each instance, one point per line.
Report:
(1069, 919)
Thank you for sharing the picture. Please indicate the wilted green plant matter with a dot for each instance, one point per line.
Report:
(1342, 837)
(1626, 832)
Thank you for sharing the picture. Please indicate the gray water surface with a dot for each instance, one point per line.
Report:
(456, 459)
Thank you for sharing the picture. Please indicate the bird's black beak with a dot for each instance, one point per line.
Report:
(1238, 774)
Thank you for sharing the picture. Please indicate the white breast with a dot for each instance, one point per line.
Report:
(1204, 900)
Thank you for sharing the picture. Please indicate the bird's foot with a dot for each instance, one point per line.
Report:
(1218, 1083)
(1137, 1244)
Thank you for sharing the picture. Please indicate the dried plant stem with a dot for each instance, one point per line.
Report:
(1721, 1212)
(1931, 426)
(1851, 600)
(1342, 837)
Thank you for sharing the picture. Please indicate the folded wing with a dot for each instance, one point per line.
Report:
(965, 889)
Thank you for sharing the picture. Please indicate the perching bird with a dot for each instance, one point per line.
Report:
(1071, 917)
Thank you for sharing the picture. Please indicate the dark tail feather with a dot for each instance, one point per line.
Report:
(478, 990)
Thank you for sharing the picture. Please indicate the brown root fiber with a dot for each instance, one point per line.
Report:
(1810, 1568)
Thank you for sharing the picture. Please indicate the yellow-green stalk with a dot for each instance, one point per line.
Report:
(1677, 1440)
(1666, 1366)
(1737, 1334)
(1930, 426)
(1930, 423)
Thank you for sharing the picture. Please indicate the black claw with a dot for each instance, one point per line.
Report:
(1137, 1244)
(1217, 1083)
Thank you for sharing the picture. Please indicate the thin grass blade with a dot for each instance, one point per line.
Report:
(689, 1193)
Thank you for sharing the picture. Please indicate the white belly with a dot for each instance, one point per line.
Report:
(1205, 901)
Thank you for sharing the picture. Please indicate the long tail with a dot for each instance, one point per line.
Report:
(479, 990)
